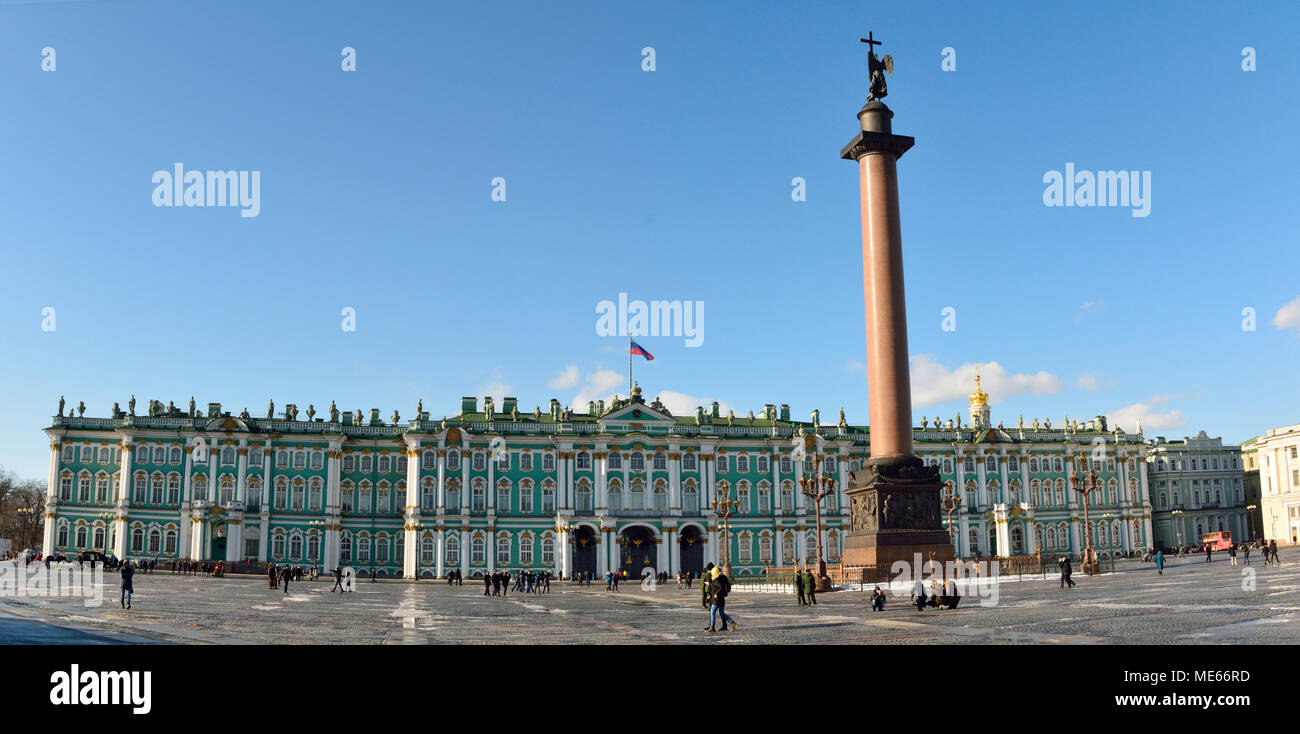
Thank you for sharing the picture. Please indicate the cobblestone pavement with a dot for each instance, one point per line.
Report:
(1193, 602)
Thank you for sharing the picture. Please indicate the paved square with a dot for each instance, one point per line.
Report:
(1193, 602)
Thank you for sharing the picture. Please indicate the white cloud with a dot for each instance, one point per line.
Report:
(1091, 305)
(1152, 420)
(933, 382)
(854, 365)
(1288, 317)
(597, 386)
(495, 386)
(682, 404)
(567, 378)
(1090, 382)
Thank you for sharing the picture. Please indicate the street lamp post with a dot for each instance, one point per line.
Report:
(1178, 526)
(107, 517)
(1250, 519)
(816, 487)
(724, 508)
(318, 526)
(951, 503)
(1089, 483)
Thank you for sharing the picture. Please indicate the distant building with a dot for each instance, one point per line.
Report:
(1279, 474)
(1254, 495)
(1197, 487)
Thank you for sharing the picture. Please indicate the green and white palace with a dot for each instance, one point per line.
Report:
(621, 485)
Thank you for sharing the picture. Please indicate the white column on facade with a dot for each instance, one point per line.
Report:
(51, 501)
(491, 549)
(675, 479)
(466, 488)
(241, 467)
(120, 538)
(778, 547)
(1002, 469)
(491, 496)
(776, 483)
(1023, 460)
(669, 566)
(1031, 542)
(842, 499)
(465, 547)
(1071, 500)
(602, 481)
(959, 467)
(981, 481)
(441, 550)
(442, 490)
(800, 504)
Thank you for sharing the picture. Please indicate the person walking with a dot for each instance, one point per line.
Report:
(1232, 554)
(127, 587)
(1160, 563)
(719, 588)
(810, 584)
(1066, 570)
(338, 580)
(286, 574)
(1245, 549)
(270, 575)
(798, 587)
(704, 586)
(877, 600)
(1272, 550)
(1208, 550)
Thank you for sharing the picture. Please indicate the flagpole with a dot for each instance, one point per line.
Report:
(629, 366)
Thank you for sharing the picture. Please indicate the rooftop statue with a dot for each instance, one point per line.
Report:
(270, 409)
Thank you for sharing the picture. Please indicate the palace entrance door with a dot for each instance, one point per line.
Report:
(692, 550)
(638, 551)
(584, 551)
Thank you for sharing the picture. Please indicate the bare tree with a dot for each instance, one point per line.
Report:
(24, 528)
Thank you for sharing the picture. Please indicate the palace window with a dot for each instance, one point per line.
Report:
(660, 461)
(345, 548)
(584, 496)
(138, 491)
(615, 460)
(742, 464)
(200, 484)
(724, 463)
(807, 465)
(254, 458)
(363, 497)
(69, 452)
(295, 546)
(381, 549)
(584, 460)
(452, 551)
(690, 462)
(478, 496)
(991, 464)
(159, 454)
(764, 463)
(384, 497)
(277, 545)
(317, 460)
(313, 546)
(282, 459)
(548, 496)
(367, 463)
(526, 461)
(526, 496)
(426, 549)
(83, 488)
(637, 496)
(363, 548)
(787, 548)
(346, 498)
(1059, 463)
(349, 462)
(690, 499)
(548, 462)
(615, 497)
(428, 460)
(101, 488)
(638, 462)
(477, 551)
(503, 550)
(503, 461)
(480, 461)
(742, 495)
(833, 546)
(765, 548)
(503, 497)
(526, 550)
(300, 460)
(401, 463)
(385, 464)
(227, 456)
(452, 495)
(299, 490)
(428, 493)
(453, 460)
(746, 548)
(1013, 463)
(661, 496)
(548, 550)
(315, 493)
(787, 495)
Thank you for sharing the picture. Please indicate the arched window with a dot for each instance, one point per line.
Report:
(363, 548)
(765, 548)
(1017, 539)
(479, 495)
(384, 502)
(615, 496)
(526, 496)
(81, 537)
(156, 485)
(477, 551)
(584, 495)
(637, 495)
(452, 551)
(583, 460)
(295, 546)
(503, 497)
(428, 493)
(452, 495)
(137, 540)
(277, 545)
(661, 495)
(526, 550)
(426, 549)
(315, 493)
(382, 548)
(503, 550)
(690, 498)
(345, 548)
(548, 496)
(281, 493)
(173, 489)
(313, 546)
(453, 460)
(548, 550)
(745, 543)
(787, 495)
(833, 545)
(742, 496)
(689, 462)
(787, 548)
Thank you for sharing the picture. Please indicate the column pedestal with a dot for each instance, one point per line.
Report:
(894, 514)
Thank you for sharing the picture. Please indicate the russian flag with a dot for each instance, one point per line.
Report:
(638, 349)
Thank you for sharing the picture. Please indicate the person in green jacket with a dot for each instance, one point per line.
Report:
(799, 588)
(704, 586)
(811, 585)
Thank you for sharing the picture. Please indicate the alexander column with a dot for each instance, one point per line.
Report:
(894, 499)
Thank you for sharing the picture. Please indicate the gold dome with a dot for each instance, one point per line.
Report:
(979, 398)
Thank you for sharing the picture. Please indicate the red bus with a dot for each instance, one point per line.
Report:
(1218, 541)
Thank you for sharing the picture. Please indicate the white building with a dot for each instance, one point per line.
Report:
(1197, 487)
(1279, 477)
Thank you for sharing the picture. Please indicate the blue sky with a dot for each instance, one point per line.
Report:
(668, 184)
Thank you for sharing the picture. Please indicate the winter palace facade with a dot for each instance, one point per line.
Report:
(620, 486)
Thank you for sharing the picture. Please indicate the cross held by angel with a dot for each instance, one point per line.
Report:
(877, 68)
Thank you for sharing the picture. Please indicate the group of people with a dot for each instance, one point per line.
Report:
(1267, 549)
(206, 568)
(946, 597)
(280, 576)
(454, 578)
(498, 583)
(806, 586)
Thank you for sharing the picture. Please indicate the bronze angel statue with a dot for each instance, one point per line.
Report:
(878, 67)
